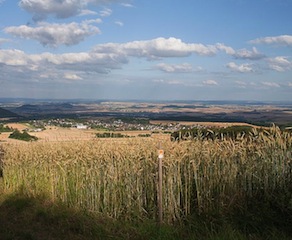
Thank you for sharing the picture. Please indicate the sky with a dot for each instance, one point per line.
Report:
(146, 49)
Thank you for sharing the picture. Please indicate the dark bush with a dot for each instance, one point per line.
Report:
(110, 135)
(212, 133)
(24, 136)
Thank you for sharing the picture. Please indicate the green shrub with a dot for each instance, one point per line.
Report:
(231, 132)
(110, 135)
(24, 136)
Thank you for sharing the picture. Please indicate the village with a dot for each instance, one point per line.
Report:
(110, 125)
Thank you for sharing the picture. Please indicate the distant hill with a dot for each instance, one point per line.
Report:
(28, 108)
(44, 108)
(41, 110)
(7, 114)
(37, 107)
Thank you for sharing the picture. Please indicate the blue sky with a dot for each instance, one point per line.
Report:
(146, 50)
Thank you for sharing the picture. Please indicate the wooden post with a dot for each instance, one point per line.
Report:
(160, 208)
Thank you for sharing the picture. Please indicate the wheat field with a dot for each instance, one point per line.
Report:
(119, 178)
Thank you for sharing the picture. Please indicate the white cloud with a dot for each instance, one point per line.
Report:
(13, 57)
(271, 84)
(92, 21)
(157, 48)
(105, 12)
(243, 68)
(103, 58)
(82, 62)
(87, 62)
(53, 35)
(87, 12)
(175, 68)
(290, 84)
(228, 50)
(280, 64)
(61, 9)
(127, 5)
(210, 82)
(119, 23)
(281, 40)
(253, 54)
(41, 9)
(72, 76)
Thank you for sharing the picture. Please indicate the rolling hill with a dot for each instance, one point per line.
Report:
(7, 114)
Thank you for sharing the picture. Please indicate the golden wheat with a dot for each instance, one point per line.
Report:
(119, 178)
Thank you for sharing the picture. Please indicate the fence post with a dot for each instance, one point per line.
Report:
(1, 162)
(160, 208)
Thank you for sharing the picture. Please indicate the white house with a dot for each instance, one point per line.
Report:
(81, 126)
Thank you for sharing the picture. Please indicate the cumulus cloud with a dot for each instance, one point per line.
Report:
(210, 82)
(59, 8)
(281, 40)
(87, 12)
(13, 57)
(87, 62)
(71, 76)
(280, 64)
(175, 68)
(41, 9)
(253, 54)
(228, 50)
(243, 68)
(157, 48)
(83, 61)
(103, 58)
(53, 35)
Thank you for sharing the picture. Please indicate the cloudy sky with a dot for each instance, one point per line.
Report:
(146, 49)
